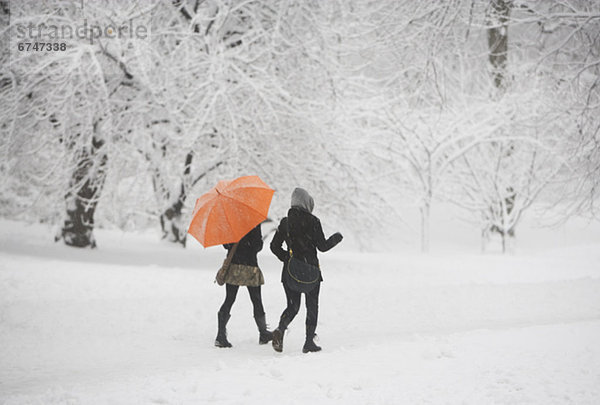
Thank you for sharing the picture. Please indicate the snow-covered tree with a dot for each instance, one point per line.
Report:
(487, 104)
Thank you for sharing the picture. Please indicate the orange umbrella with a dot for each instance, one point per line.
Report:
(230, 210)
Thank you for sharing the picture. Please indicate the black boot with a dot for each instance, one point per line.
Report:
(265, 335)
(309, 344)
(221, 340)
(278, 339)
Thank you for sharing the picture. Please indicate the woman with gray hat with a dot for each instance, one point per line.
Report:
(303, 235)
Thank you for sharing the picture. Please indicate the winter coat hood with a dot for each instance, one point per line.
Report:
(301, 199)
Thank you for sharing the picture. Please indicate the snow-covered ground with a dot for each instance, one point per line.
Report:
(134, 321)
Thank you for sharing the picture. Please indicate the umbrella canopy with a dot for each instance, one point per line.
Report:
(230, 210)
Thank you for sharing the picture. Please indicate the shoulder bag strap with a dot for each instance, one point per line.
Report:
(288, 240)
(229, 257)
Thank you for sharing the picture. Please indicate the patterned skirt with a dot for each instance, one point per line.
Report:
(240, 274)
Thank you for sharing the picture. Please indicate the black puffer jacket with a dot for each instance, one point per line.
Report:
(302, 232)
(248, 247)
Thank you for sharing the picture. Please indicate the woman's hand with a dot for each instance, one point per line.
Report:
(336, 238)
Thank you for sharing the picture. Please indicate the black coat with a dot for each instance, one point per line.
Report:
(302, 232)
(248, 247)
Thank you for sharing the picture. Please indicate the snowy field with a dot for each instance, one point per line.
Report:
(134, 321)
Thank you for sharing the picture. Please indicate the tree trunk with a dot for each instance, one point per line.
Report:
(171, 222)
(81, 200)
(497, 36)
(425, 228)
(484, 237)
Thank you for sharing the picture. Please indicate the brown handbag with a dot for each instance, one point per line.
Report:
(222, 273)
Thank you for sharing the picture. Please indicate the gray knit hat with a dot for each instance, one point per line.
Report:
(301, 199)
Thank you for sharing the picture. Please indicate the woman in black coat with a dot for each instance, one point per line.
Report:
(303, 234)
(244, 271)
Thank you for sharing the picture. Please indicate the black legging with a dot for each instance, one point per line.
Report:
(293, 306)
(255, 297)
